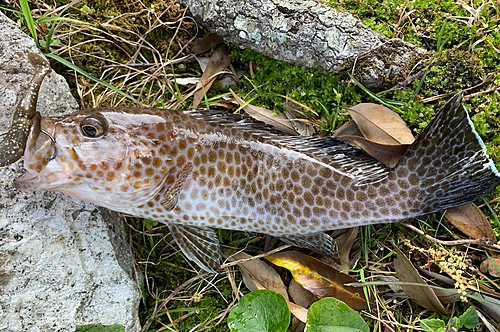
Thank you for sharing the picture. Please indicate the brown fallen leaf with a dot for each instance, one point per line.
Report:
(202, 45)
(380, 124)
(487, 266)
(278, 121)
(470, 220)
(388, 154)
(320, 279)
(218, 62)
(345, 243)
(348, 129)
(298, 311)
(261, 274)
(422, 295)
(300, 295)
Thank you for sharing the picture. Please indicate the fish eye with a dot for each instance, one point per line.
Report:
(93, 127)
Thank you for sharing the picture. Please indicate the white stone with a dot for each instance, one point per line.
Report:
(63, 263)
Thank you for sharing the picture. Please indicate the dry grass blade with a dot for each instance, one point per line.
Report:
(423, 296)
(320, 279)
(388, 154)
(218, 62)
(380, 124)
(278, 121)
(470, 220)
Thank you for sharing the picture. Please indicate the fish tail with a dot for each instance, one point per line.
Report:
(447, 165)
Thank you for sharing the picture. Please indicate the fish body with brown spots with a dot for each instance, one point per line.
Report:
(195, 170)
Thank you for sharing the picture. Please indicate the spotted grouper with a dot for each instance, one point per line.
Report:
(199, 170)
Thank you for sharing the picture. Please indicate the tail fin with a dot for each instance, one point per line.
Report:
(447, 165)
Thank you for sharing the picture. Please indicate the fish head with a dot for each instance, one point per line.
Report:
(101, 156)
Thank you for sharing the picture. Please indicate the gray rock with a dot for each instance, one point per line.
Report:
(63, 263)
(308, 33)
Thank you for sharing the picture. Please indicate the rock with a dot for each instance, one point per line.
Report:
(308, 33)
(63, 263)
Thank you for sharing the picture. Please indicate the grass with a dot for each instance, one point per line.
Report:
(141, 49)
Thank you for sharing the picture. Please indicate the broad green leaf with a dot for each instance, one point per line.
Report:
(433, 325)
(320, 279)
(101, 328)
(260, 311)
(332, 315)
(469, 319)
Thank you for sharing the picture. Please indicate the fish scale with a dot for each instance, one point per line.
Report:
(195, 170)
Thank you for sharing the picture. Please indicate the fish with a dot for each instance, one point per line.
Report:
(25, 117)
(197, 170)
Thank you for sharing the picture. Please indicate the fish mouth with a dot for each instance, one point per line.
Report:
(43, 169)
(27, 181)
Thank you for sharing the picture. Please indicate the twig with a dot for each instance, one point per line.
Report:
(490, 202)
(493, 89)
(480, 242)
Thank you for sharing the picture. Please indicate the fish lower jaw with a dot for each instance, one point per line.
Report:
(27, 181)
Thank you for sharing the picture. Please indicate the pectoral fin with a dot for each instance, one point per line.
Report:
(176, 182)
(319, 242)
(199, 244)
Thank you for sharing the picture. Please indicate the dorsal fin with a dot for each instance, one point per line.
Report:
(344, 158)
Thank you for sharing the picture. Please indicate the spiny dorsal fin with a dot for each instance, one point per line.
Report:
(344, 158)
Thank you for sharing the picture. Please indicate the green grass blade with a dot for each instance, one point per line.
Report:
(58, 18)
(84, 73)
(419, 86)
(374, 96)
(17, 12)
(29, 19)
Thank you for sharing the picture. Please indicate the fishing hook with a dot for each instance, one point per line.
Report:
(54, 155)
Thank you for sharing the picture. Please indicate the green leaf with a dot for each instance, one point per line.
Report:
(433, 325)
(469, 319)
(332, 315)
(101, 328)
(260, 311)
(86, 9)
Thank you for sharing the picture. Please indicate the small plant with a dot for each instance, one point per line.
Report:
(265, 310)
(468, 320)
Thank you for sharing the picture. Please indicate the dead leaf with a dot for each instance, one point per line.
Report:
(470, 220)
(422, 295)
(300, 295)
(218, 62)
(345, 243)
(388, 154)
(491, 307)
(202, 45)
(278, 121)
(320, 279)
(380, 124)
(487, 266)
(348, 129)
(298, 311)
(261, 274)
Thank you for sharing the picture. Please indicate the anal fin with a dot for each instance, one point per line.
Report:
(321, 243)
(200, 244)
